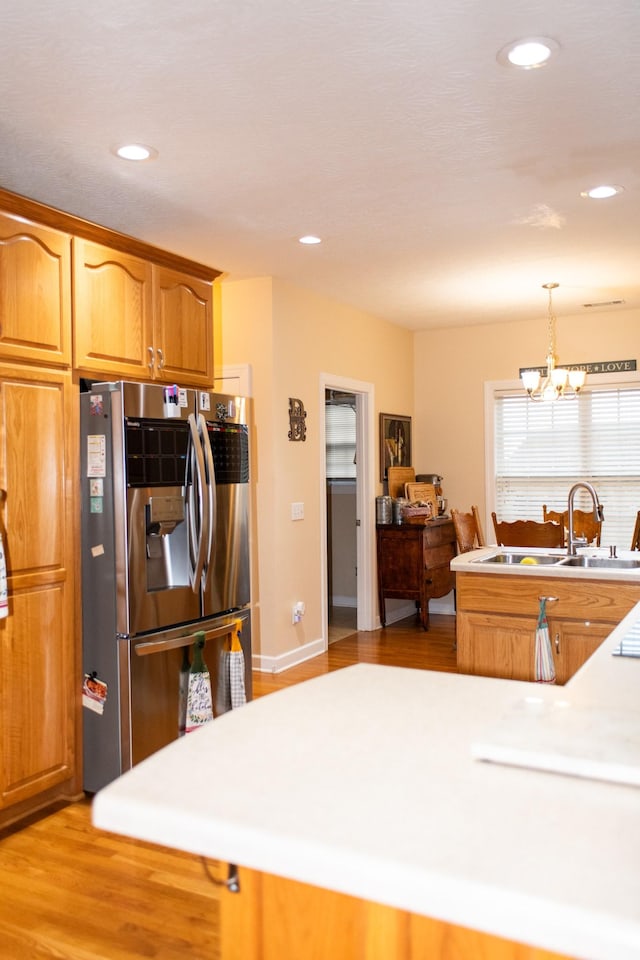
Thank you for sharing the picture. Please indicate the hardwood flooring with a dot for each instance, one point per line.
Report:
(71, 892)
(403, 644)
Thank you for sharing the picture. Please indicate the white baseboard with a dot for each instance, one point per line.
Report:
(438, 605)
(344, 601)
(289, 659)
(443, 604)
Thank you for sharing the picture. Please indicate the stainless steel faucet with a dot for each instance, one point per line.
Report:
(598, 514)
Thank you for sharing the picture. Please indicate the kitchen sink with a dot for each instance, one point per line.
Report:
(509, 557)
(606, 563)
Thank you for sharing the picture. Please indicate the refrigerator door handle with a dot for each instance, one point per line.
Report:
(198, 506)
(148, 647)
(212, 499)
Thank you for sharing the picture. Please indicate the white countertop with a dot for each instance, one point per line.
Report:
(471, 562)
(363, 781)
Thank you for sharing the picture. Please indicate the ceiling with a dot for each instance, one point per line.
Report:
(445, 186)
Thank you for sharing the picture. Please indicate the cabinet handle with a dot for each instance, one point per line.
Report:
(557, 642)
(160, 359)
(549, 599)
(150, 364)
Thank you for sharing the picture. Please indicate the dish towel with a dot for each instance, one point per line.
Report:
(4, 599)
(545, 671)
(236, 669)
(231, 692)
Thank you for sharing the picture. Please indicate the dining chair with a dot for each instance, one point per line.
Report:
(584, 523)
(635, 543)
(528, 533)
(468, 529)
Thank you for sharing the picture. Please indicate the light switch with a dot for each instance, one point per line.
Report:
(297, 511)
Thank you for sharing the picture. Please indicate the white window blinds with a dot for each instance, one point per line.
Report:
(340, 439)
(542, 449)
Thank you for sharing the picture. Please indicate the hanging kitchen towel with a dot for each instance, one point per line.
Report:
(545, 671)
(199, 699)
(183, 692)
(230, 691)
(223, 686)
(236, 668)
(4, 599)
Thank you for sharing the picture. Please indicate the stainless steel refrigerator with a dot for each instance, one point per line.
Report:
(165, 559)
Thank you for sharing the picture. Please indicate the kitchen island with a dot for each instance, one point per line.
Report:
(499, 590)
(364, 782)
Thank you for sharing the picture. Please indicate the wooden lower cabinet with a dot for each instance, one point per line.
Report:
(497, 617)
(573, 642)
(495, 645)
(277, 919)
(39, 664)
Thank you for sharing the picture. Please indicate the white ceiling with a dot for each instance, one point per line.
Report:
(445, 186)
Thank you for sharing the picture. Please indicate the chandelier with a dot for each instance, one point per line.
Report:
(558, 382)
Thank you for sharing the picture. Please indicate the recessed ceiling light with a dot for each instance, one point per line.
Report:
(135, 151)
(529, 53)
(309, 239)
(603, 192)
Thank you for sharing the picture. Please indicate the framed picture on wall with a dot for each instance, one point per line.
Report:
(395, 442)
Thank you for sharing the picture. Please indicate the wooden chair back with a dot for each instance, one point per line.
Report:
(468, 530)
(528, 533)
(584, 523)
(635, 543)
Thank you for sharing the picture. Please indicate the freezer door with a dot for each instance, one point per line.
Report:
(160, 676)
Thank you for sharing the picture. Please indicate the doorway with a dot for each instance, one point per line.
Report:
(348, 514)
(341, 465)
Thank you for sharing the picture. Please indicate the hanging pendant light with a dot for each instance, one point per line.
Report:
(558, 382)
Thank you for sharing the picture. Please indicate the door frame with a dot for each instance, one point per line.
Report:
(365, 504)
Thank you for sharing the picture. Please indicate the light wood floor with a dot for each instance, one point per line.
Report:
(71, 892)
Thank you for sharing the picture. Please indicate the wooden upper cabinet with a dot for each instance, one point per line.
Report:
(183, 327)
(35, 292)
(112, 311)
(136, 319)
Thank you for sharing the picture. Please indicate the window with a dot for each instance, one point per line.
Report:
(542, 449)
(340, 434)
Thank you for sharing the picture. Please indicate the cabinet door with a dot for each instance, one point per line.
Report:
(112, 301)
(494, 645)
(573, 643)
(35, 293)
(183, 328)
(38, 679)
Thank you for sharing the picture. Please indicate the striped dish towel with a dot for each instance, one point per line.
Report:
(545, 671)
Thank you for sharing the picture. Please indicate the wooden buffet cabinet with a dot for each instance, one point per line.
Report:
(413, 563)
(76, 300)
(497, 616)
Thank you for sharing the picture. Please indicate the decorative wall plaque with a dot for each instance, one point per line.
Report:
(297, 416)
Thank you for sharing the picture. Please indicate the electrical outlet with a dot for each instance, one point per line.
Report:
(297, 511)
(297, 611)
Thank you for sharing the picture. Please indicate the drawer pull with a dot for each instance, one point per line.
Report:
(549, 599)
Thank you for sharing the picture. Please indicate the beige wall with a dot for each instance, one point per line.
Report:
(452, 367)
(290, 337)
